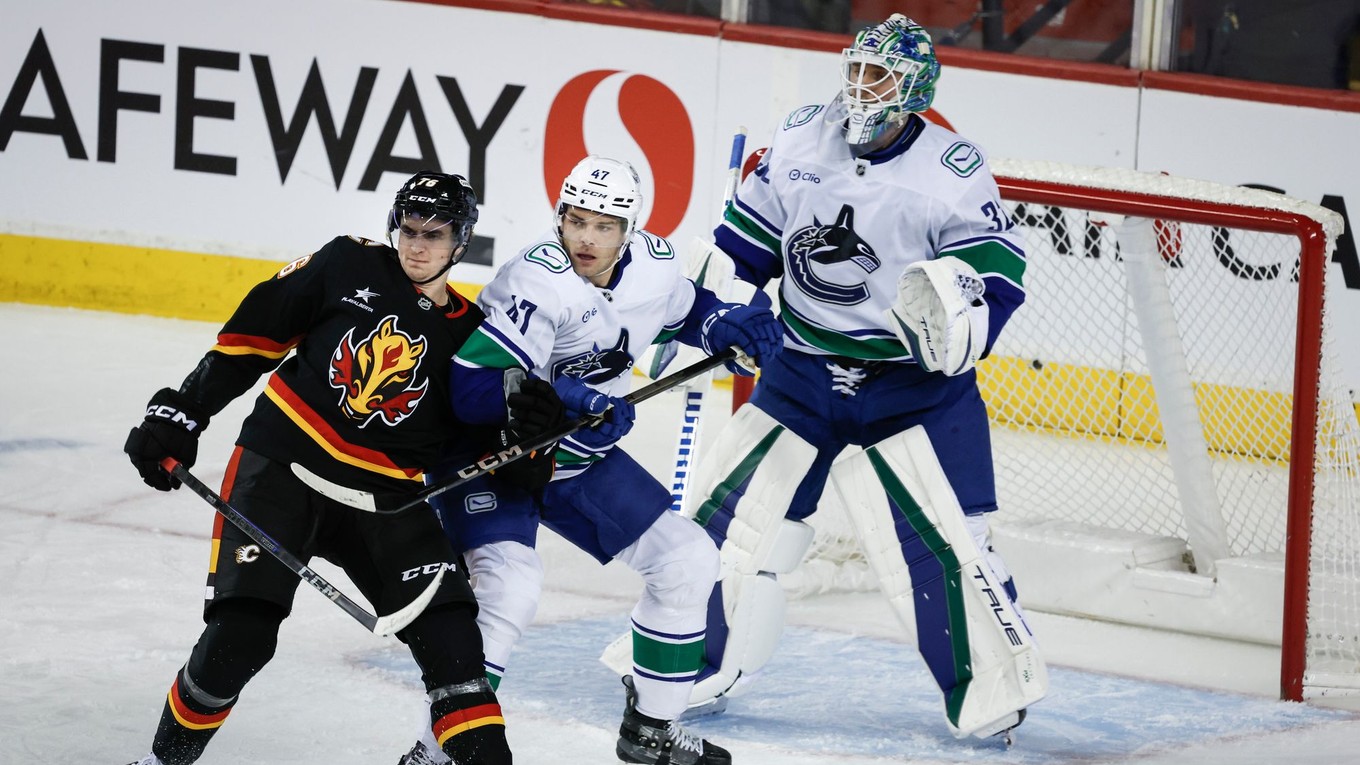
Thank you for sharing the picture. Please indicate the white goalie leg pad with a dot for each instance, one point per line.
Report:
(760, 544)
(1007, 672)
(708, 267)
(982, 536)
(754, 604)
(507, 578)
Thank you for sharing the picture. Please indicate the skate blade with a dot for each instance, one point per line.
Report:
(711, 707)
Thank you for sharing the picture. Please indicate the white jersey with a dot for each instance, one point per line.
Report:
(840, 230)
(543, 317)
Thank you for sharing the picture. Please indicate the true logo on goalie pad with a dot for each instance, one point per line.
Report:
(987, 588)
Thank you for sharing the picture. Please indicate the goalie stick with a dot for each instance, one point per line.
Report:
(395, 503)
(378, 625)
(687, 446)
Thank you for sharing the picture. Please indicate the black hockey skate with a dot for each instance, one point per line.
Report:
(644, 739)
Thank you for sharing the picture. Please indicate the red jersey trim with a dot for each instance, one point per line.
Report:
(253, 345)
(325, 436)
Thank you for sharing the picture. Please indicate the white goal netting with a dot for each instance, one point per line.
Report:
(1147, 392)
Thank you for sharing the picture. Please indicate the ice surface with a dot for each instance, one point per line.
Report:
(101, 583)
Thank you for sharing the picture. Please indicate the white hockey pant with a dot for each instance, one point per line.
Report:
(749, 480)
(925, 553)
(679, 566)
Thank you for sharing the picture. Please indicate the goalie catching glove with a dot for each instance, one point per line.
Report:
(940, 315)
(171, 428)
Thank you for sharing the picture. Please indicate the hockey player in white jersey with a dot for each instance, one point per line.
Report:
(577, 308)
(898, 268)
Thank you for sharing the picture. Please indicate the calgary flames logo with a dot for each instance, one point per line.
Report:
(376, 374)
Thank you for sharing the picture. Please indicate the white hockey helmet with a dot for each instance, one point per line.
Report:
(603, 185)
(897, 49)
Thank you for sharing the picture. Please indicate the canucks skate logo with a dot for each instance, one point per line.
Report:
(597, 365)
(376, 377)
(829, 245)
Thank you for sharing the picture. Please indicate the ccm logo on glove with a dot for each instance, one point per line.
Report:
(166, 412)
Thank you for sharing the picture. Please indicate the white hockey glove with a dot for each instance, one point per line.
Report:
(940, 314)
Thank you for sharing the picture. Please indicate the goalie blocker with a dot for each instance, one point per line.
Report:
(934, 564)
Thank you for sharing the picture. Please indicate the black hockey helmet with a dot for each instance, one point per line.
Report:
(443, 196)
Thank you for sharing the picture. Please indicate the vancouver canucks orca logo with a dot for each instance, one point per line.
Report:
(830, 244)
(597, 365)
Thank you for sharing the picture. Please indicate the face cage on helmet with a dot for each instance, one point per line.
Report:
(869, 119)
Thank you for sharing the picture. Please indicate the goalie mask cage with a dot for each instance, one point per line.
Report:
(1174, 445)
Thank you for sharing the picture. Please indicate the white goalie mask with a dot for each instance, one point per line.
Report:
(603, 185)
(887, 73)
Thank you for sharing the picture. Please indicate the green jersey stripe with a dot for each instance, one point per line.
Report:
(992, 258)
(484, 350)
(752, 230)
(831, 341)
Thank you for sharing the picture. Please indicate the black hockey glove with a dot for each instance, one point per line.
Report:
(530, 473)
(171, 429)
(535, 408)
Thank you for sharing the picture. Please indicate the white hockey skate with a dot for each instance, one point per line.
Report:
(1004, 729)
(647, 740)
(421, 755)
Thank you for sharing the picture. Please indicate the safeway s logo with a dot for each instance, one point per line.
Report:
(655, 119)
(376, 376)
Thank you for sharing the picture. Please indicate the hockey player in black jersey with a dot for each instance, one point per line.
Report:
(365, 332)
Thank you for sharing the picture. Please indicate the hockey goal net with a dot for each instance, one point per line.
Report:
(1174, 443)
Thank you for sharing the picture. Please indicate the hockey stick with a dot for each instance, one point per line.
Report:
(687, 447)
(395, 503)
(378, 625)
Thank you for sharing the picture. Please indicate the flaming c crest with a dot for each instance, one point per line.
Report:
(375, 375)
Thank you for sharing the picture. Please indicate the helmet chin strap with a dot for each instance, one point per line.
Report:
(442, 272)
(612, 265)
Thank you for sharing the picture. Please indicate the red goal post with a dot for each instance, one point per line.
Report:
(1174, 443)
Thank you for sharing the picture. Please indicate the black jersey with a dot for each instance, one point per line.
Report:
(364, 400)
